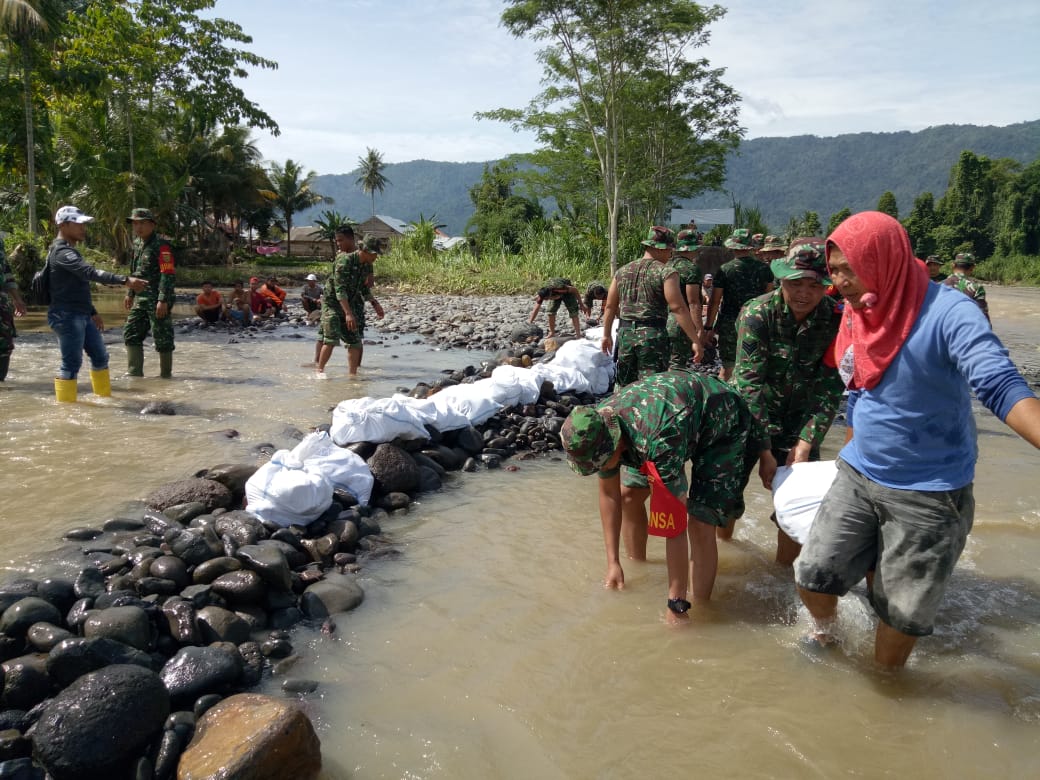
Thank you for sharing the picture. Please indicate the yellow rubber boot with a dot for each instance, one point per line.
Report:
(101, 382)
(65, 390)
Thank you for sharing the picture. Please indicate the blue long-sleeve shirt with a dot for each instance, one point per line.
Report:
(914, 430)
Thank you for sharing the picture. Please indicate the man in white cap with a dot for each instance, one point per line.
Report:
(310, 296)
(71, 313)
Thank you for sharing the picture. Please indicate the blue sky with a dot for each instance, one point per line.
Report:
(406, 77)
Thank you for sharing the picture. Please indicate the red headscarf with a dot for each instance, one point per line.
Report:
(878, 251)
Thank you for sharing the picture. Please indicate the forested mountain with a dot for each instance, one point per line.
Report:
(784, 177)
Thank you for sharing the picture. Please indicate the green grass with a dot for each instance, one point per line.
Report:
(1011, 270)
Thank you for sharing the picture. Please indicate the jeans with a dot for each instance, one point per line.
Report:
(77, 334)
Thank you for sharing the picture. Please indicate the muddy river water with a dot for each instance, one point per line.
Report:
(489, 649)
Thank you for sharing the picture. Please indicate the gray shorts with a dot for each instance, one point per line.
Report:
(911, 538)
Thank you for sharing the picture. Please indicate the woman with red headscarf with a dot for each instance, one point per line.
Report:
(910, 354)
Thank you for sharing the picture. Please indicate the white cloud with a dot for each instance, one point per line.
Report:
(407, 77)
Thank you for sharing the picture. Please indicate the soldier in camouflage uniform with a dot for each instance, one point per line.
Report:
(935, 272)
(640, 296)
(11, 306)
(667, 419)
(596, 291)
(684, 261)
(772, 249)
(781, 372)
(343, 309)
(153, 260)
(960, 279)
(734, 284)
(559, 292)
(345, 242)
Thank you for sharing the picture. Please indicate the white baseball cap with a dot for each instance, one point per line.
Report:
(71, 214)
(312, 278)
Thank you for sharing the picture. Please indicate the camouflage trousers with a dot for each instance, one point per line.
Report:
(142, 319)
(727, 333)
(333, 328)
(681, 352)
(641, 350)
(7, 328)
(719, 472)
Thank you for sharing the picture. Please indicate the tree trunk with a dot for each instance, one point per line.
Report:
(30, 139)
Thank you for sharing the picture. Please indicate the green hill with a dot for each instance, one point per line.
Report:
(784, 177)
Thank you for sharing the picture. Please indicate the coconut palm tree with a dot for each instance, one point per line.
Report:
(372, 179)
(291, 192)
(24, 23)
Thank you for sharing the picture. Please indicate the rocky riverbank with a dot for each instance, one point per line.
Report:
(193, 600)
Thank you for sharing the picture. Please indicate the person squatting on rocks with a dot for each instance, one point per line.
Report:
(641, 295)
(343, 311)
(238, 308)
(275, 295)
(684, 260)
(310, 295)
(71, 313)
(560, 291)
(259, 304)
(209, 304)
(911, 353)
(153, 261)
(11, 306)
(346, 242)
(667, 419)
(962, 281)
(735, 283)
(783, 369)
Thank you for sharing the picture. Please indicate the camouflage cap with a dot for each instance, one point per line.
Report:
(739, 239)
(659, 238)
(558, 283)
(139, 215)
(964, 258)
(370, 244)
(590, 436)
(803, 261)
(687, 241)
(934, 259)
(774, 244)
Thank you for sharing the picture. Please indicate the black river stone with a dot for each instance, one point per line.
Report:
(196, 671)
(99, 725)
(394, 470)
(23, 613)
(77, 656)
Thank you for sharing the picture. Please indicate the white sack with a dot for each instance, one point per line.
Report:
(515, 385)
(375, 420)
(797, 493)
(283, 492)
(439, 411)
(343, 468)
(588, 359)
(475, 402)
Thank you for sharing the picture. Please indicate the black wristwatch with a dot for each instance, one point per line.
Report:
(679, 606)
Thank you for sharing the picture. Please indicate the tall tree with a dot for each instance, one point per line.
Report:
(371, 178)
(966, 208)
(27, 23)
(837, 218)
(291, 192)
(920, 224)
(499, 214)
(887, 204)
(622, 88)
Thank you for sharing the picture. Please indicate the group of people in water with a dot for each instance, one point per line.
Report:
(854, 314)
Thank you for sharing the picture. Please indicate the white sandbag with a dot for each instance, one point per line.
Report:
(475, 402)
(343, 468)
(375, 420)
(797, 493)
(563, 378)
(586, 357)
(439, 411)
(515, 385)
(283, 492)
